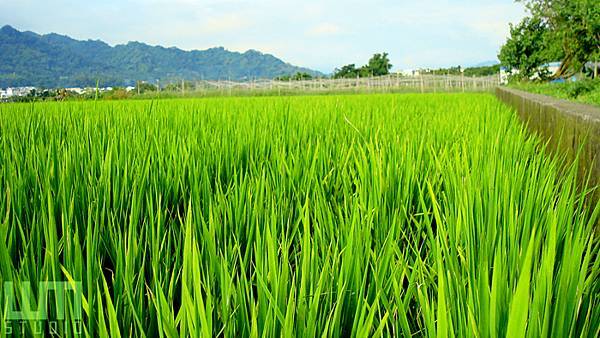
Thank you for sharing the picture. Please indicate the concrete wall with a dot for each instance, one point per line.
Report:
(565, 125)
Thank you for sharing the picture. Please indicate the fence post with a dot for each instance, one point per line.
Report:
(448, 81)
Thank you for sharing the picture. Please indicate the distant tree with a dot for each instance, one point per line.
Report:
(378, 65)
(482, 71)
(172, 87)
(117, 94)
(299, 76)
(347, 71)
(286, 77)
(143, 87)
(176, 86)
(445, 71)
(302, 76)
(469, 71)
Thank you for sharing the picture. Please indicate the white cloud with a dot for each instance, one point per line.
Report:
(225, 24)
(324, 29)
(322, 34)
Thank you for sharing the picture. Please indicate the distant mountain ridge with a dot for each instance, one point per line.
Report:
(54, 60)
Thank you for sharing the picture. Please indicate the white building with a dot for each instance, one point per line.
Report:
(547, 69)
(553, 67)
(76, 90)
(21, 91)
(407, 72)
(505, 74)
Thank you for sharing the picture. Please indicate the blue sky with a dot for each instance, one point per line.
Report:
(317, 34)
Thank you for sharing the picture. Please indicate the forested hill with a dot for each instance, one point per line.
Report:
(54, 60)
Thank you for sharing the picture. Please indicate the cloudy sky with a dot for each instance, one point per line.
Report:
(320, 34)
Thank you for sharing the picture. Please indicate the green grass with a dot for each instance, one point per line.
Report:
(586, 91)
(365, 216)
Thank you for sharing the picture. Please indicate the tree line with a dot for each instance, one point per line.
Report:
(378, 65)
(469, 71)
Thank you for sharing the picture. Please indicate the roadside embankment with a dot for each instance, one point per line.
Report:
(566, 126)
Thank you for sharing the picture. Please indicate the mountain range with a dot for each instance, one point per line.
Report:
(53, 60)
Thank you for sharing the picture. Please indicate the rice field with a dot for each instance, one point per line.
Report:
(331, 216)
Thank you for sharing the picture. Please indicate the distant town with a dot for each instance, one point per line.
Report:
(16, 92)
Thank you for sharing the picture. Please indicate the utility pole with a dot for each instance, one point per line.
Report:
(182, 87)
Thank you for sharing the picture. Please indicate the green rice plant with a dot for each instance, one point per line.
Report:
(367, 215)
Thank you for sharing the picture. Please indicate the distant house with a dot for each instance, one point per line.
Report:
(17, 91)
(504, 73)
(76, 90)
(552, 67)
(548, 68)
(405, 72)
(590, 68)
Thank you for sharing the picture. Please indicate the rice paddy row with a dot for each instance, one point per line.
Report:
(365, 215)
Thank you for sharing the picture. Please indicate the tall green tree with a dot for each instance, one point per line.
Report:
(529, 46)
(574, 24)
